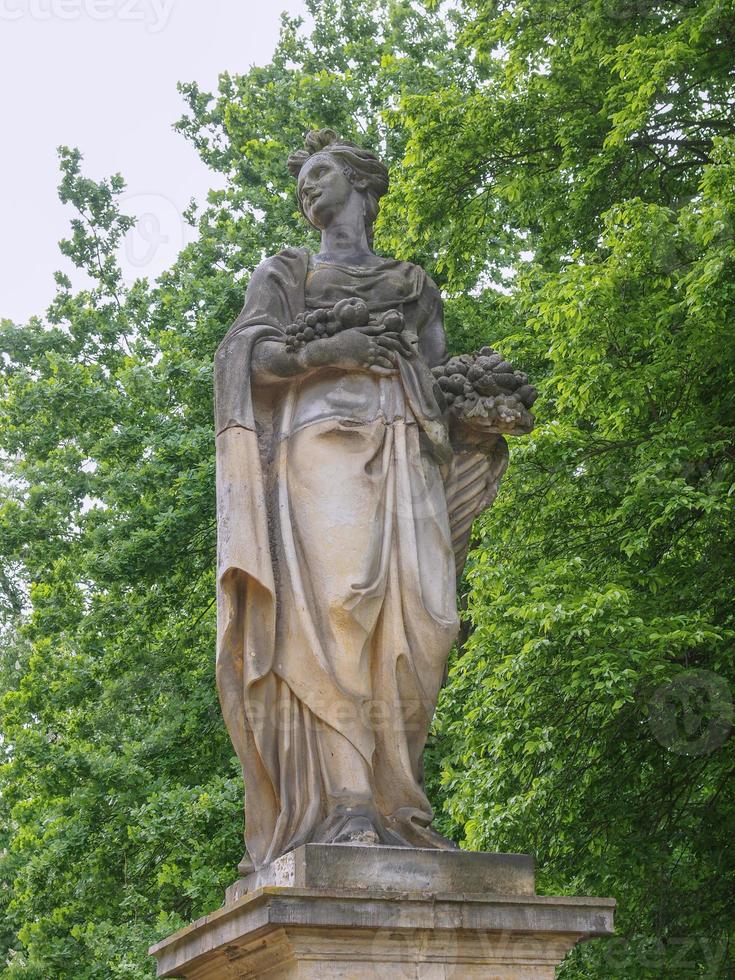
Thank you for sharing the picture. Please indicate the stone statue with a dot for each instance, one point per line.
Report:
(352, 458)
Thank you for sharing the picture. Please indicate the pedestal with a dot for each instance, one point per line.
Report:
(328, 911)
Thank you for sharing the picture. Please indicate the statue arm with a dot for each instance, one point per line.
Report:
(272, 362)
(351, 350)
(432, 339)
(270, 294)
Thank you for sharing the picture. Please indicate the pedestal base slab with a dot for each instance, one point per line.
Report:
(403, 869)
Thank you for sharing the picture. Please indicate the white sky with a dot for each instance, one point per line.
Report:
(101, 75)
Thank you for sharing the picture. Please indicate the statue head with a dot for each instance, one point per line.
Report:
(331, 168)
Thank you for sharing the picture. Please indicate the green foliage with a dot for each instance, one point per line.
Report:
(114, 754)
(586, 718)
(582, 156)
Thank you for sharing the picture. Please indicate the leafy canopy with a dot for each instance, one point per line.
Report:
(581, 157)
(586, 719)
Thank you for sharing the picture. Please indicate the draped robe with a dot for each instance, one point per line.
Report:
(336, 579)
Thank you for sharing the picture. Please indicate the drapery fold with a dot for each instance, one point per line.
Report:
(336, 587)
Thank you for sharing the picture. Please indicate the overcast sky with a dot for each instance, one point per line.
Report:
(101, 75)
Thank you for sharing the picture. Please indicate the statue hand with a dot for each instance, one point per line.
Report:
(354, 349)
(405, 344)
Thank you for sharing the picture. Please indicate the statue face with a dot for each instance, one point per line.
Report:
(323, 189)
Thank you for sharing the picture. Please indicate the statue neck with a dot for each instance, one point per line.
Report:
(345, 238)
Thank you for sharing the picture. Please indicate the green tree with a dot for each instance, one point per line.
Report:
(592, 170)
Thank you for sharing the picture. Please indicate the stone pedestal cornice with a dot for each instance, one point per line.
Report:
(296, 932)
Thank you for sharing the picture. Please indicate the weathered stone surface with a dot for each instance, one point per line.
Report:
(299, 933)
(357, 912)
(403, 869)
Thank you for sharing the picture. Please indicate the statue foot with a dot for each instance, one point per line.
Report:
(358, 830)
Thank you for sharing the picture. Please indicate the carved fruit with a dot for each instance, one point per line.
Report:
(393, 321)
(527, 395)
(506, 380)
(487, 386)
(351, 312)
(456, 366)
(503, 367)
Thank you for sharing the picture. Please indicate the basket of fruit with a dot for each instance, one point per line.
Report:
(483, 392)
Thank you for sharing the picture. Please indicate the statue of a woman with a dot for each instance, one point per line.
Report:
(336, 564)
